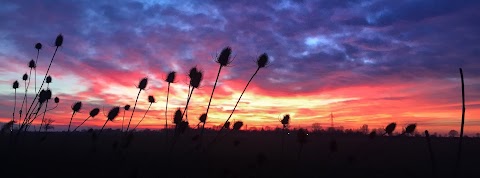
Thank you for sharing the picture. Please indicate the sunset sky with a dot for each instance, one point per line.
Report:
(367, 62)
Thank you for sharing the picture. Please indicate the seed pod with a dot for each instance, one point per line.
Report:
(178, 116)
(171, 77)
(203, 118)
(94, 112)
(59, 40)
(113, 113)
(227, 125)
(390, 128)
(143, 84)
(237, 125)
(57, 100)
(77, 106)
(38, 46)
(48, 94)
(262, 61)
(15, 85)
(286, 120)
(43, 96)
(151, 99)
(32, 64)
(192, 72)
(410, 128)
(25, 77)
(126, 107)
(196, 79)
(302, 136)
(224, 58)
(49, 79)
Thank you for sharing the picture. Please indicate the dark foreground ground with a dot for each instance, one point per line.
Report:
(258, 154)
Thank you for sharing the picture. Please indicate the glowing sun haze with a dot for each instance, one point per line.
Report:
(367, 62)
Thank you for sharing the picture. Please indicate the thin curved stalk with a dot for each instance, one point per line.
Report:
(43, 117)
(38, 52)
(45, 78)
(248, 83)
(14, 107)
(211, 96)
(102, 128)
(133, 111)
(142, 117)
(188, 101)
(459, 151)
(71, 118)
(123, 118)
(166, 110)
(81, 123)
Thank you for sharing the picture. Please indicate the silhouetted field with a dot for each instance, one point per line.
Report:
(239, 154)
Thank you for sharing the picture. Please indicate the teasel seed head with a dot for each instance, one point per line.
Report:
(15, 84)
(77, 106)
(262, 60)
(38, 46)
(151, 99)
(390, 128)
(49, 79)
(126, 107)
(171, 77)
(143, 84)
(57, 100)
(32, 64)
(178, 116)
(113, 113)
(237, 125)
(224, 58)
(25, 77)
(59, 40)
(94, 112)
(203, 118)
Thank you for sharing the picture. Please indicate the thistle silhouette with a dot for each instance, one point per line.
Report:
(262, 62)
(195, 79)
(390, 128)
(15, 86)
(223, 60)
(110, 117)
(93, 113)
(141, 86)
(285, 121)
(125, 108)
(151, 100)
(38, 46)
(58, 43)
(75, 108)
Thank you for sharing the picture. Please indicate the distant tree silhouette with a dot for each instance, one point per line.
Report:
(452, 133)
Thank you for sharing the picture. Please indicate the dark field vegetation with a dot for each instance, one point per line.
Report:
(239, 154)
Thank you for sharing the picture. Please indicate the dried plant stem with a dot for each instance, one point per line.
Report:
(142, 117)
(211, 96)
(430, 150)
(166, 110)
(188, 101)
(81, 123)
(133, 111)
(43, 117)
(43, 82)
(71, 118)
(123, 118)
(102, 128)
(14, 107)
(38, 52)
(459, 152)
(248, 83)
